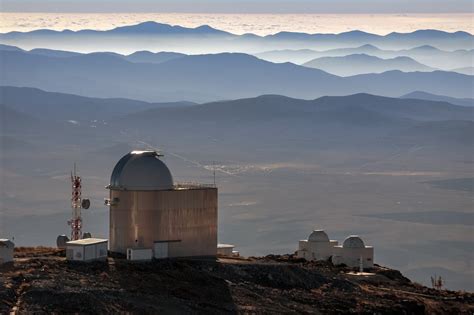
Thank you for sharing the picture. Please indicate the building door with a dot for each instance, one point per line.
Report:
(161, 250)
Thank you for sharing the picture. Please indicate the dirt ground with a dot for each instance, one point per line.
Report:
(42, 281)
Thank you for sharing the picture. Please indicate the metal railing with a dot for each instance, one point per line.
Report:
(192, 185)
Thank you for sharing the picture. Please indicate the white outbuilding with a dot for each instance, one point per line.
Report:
(6, 250)
(353, 253)
(227, 250)
(88, 249)
(318, 246)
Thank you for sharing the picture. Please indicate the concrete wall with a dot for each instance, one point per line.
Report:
(139, 218)
(139, 254)
(6, 254)
(351, 256)
(315, 250)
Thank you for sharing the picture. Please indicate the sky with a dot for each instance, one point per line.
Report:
(240, 6)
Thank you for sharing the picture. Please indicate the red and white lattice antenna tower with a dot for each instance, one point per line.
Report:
(76, 219)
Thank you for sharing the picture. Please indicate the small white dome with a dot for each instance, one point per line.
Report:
(141, 170)
(318, 236)
(353, 241)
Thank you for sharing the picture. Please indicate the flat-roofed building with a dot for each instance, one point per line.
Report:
(87, 249)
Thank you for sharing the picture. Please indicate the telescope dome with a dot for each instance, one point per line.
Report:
(318, 236)
(141, 170)
(353, 241)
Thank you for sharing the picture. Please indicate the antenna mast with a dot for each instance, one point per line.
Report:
(76, 219)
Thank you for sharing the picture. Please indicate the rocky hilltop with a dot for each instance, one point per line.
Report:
(42, 281)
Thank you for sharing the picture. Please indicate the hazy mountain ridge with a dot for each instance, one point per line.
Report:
(433, 97)
(192, 40)
(362, 63)
(203, 78)
(425, 54)
(136, 57)
(61, 106)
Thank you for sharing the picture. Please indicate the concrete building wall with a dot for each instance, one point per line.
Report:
(6, 255)
(351, 256)
(7, 248)
(185, 217)
(139, 254)
(315, 250)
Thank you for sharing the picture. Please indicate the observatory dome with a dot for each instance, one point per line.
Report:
(353, 241)
(318, 236)
(141, 170)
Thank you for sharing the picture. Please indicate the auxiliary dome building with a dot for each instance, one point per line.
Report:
(352, 253)
(148, 210)
(316, 247)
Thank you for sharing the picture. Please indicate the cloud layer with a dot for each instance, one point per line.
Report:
(261, 24)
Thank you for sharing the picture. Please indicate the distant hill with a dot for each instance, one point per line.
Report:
(203, 78)
(149, 57)
(139, 56)
(53, 53)
(359, 109)
(160, 28)
(359, 120)
(425, 54)
(300, 56)
(465, 70)
(433, 97)
(361, 63)
(60, 106)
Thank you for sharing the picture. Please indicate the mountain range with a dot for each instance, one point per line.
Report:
(362, 63)
(201, 78)
(25, 108)
(63, 107)
(154, 36)
(440, 98)
(137, 57)
(427, 55)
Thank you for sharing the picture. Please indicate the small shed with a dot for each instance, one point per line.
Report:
(6, 250)
(88, 249)
(139, 254)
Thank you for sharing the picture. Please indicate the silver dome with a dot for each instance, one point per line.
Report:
(141, 170)
(353, 241)
(318, 236)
